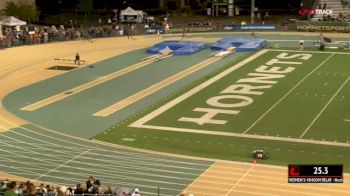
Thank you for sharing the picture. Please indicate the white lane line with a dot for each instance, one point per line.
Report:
(292, 192)
(119, 159)
(324, 108)
(285, 96)
(106, 168)
(63, 164)
(122, 150)
(240, 180)
(105, 181)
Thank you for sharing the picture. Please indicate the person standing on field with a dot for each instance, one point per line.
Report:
(77, 59)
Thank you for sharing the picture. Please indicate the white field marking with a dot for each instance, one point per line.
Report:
(105, 166)
(74, 180)
(102, 165)
(135, 151)
(253, 193)
(282, 98)
(240, 180)
(324, 108)
(105, 173)
(240, 135)
(154, 88)
(346, 120)
(305, 51)
(85, 86)
(277, 184)
(8, 159)
(122, 157)
(45, 174)
(282, 190)
(198, 177)
(197, 192)
(56, 151)
(138, 154)
(195, 90)
(36, 153)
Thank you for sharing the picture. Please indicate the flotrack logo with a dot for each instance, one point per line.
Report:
(316, 11)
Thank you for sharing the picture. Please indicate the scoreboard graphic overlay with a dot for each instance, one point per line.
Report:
(315, 173)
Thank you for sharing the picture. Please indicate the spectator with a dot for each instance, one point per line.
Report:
(12, 191)
(78, 190)
(108, 191)
(135, 192)
(89, 184)
(77, 59)
(31, 189)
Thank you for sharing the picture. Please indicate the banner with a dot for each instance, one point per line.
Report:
(322, 26)
(250, 27)
(191, 29)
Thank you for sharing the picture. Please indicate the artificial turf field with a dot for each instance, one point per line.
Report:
(299, 117)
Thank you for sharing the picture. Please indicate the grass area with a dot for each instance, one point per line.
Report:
(315, 97)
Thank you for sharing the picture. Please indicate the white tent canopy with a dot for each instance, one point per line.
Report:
(12, 21)
(131, 15)
(129, 12)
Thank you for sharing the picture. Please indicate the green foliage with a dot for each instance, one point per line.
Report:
(84, 6)
(21, 10)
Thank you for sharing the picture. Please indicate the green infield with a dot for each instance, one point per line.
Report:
(293, 104)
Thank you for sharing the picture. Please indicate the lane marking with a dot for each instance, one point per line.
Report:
(324, 108)
(83, 87)
(154, 88)
(285, 96)
(240, 180)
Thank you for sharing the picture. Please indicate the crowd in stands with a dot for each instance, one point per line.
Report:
(92, 187)
(27, 35)
(345, 3)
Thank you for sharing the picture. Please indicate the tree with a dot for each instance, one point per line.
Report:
(85, 6)
(21, 10)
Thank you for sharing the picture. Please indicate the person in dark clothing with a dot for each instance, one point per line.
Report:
(90, 184)
(77, 59)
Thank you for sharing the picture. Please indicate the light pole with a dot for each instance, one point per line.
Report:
(252, 11)
(60, 4)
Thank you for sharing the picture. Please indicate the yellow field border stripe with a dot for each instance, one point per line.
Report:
(75, 90)
(141, 94)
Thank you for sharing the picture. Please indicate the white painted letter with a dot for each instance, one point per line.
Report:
(215, 101)
(277, 61)
(261, 78)
(244, 89)
(208, 117)
(302, 56)
(276, 70)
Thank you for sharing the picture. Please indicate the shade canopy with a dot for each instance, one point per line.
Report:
(129, 12)
(12, 21)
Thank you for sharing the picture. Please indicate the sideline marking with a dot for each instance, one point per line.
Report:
(195, 90)
(154, 88)
(282, 98)
(80, 88)
(324, 108)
